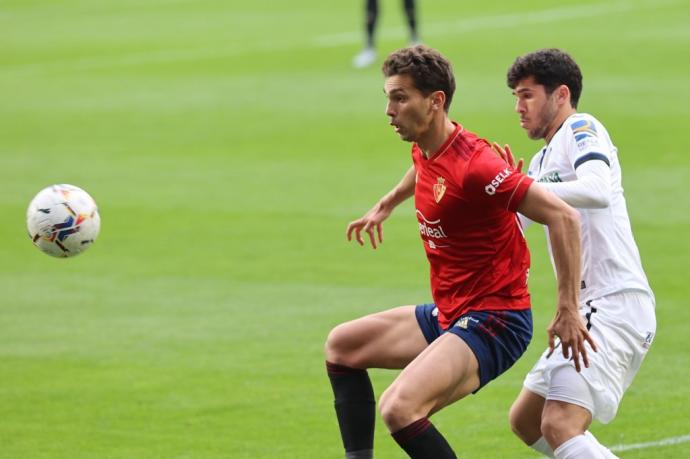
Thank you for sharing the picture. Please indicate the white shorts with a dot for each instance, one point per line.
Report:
(623, 327)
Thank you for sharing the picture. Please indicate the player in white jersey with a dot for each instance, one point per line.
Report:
(580, 165)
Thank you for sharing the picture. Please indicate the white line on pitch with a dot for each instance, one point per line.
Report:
(652, 444)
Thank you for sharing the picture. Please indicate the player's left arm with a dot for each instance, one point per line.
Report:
(372, 222)
(591, 189)
(564, 232)
(584, 144)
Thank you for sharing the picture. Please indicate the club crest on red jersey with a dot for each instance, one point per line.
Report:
(439, 189)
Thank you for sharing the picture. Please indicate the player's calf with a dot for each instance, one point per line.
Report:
(355, 407)
(421, 440)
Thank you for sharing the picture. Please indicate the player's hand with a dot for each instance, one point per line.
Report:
(569, 326)
(371, 223)
(506, 155)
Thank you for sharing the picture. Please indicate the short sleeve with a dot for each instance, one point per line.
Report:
(491, 181)
(586, 142)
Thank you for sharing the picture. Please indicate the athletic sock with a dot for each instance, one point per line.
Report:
(411, 14)
(372, 8)
(602, 449)
(355, 407)
(421, 440)
(542, 446)
(577, 448)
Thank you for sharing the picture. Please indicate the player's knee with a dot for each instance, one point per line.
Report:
(341, 348)
(521, 426)
(557, 429)
(392, 408)
(397, 411)
(335, 344)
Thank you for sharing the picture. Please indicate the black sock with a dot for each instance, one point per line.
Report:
(355, 407)
(410, 12)
(372, 8)
(421, 440)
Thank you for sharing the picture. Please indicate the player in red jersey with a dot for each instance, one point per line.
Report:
(481, 323)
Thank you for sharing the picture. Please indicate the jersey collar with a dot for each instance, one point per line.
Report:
(448, 142)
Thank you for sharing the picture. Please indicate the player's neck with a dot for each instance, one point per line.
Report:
(435, 136)
(558, 122)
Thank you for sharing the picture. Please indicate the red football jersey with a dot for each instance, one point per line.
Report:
(466, 198)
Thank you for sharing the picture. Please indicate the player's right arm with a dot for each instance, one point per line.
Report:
(542, 206)
(564, 233)
(372, 222)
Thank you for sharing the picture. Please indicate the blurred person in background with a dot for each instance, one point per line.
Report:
(367, 56)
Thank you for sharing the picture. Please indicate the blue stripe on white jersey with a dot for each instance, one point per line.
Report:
(589, 157)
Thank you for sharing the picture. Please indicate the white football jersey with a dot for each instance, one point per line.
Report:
(610, 258)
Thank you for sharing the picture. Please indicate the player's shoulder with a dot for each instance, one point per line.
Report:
(583, 131)
(584, 123)
(484, 163)
(465, 148)
(482, 154)
(468, 143)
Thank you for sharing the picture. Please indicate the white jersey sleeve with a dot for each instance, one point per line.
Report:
(589, 152)
(585, 141)
(591, 189)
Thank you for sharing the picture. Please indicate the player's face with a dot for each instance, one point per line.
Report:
(410, 111)
(536, 107)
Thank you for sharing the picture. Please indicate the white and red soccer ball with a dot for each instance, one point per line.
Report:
(63, 220)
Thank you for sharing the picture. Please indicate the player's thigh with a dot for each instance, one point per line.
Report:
(388, 339)
(446, 371)
(569, 406)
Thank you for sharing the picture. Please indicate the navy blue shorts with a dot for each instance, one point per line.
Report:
(497, 338)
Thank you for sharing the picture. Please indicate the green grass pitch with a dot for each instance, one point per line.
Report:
(228, 144)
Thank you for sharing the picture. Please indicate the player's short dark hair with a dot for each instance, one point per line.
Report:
(430, 71)
(550, 68)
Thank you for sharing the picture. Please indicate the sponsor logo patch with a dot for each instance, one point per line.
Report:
(431, 229)
(553, 177)
(584, 131)
(491, 188)
(587, 143)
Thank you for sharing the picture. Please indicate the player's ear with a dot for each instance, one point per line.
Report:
(563, 94)
(438, 99)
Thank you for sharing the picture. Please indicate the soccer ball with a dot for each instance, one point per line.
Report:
(63, 220)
